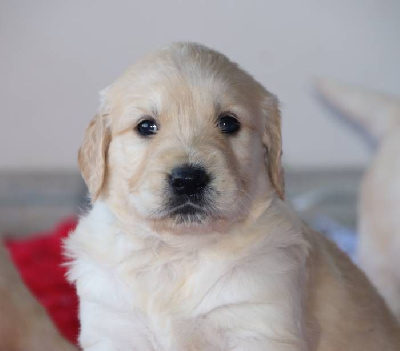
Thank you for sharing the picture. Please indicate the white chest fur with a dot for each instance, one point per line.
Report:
(236, 292)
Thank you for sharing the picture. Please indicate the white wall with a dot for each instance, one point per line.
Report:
(56, 55)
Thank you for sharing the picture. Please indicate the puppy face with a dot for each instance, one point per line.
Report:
(184, 138)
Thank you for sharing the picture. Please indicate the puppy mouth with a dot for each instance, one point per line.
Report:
(188, 213)
(188, 209)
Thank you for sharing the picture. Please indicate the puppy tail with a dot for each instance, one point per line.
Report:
(373, 112)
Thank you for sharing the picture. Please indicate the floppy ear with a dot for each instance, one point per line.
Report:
(272, 140)
(92, 155)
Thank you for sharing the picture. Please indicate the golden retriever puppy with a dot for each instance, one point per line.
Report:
(378, 250)
(24, 324)
(189, 244)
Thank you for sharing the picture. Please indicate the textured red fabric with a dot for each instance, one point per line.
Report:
(40, 261)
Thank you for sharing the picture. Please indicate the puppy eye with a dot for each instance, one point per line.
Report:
(147, 127)
(228, 124)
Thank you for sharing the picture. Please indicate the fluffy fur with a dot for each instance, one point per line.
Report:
(379, 222)
(245, 274)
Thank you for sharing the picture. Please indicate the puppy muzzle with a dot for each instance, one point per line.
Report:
(189, 192)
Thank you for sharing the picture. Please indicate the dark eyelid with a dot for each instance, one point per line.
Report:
(227, 113)
(148, 118)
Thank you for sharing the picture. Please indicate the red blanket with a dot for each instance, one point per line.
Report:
(40, 262)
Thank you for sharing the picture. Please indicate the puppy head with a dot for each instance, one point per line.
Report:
(184, 138)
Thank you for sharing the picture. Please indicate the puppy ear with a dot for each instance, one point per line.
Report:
(272, 140)
(92, 155)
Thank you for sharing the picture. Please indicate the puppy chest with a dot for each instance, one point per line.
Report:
(180, 289)
(180, 312)
(154, 308)
(164, 305)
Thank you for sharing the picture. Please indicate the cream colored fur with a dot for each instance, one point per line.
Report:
(379, 209)
(250, 276)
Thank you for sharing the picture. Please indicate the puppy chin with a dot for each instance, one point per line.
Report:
(184, 220)
(205, 227)
(191, 221)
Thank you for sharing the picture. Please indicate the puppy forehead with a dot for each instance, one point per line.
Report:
(178, 89)
(186, 71)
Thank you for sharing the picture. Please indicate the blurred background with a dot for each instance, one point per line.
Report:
(57, 55)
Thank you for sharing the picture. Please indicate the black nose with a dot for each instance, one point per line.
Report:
(188, 179)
